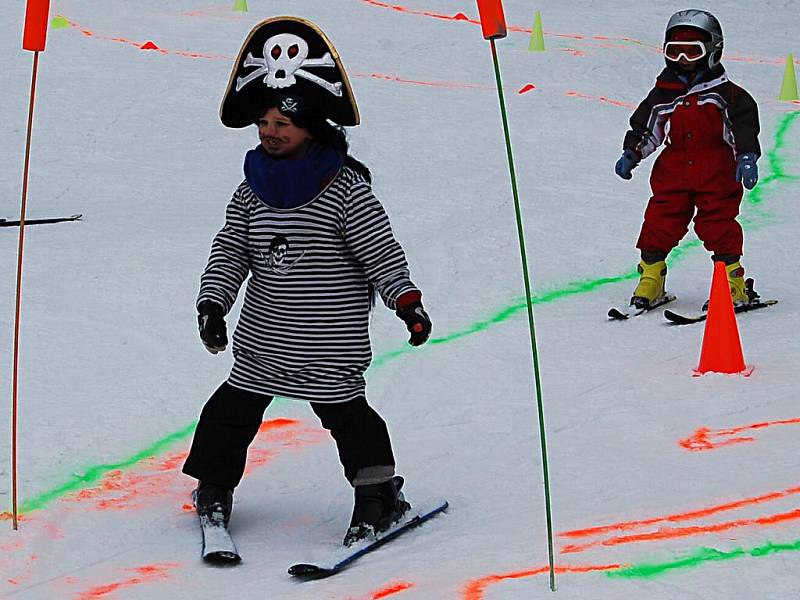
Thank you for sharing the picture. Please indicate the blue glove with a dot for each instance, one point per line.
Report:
(747, 170)
(626, 163)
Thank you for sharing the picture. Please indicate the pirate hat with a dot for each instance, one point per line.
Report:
(288, 55)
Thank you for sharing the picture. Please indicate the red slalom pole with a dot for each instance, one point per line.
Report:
(493, 25)
(18, 310)
(34, 39)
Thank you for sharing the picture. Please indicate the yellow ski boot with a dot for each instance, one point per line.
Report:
(739, 293)
(742, 291)
(650, 291)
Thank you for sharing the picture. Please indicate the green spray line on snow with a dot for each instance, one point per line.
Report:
(93, 474)
(574, 288)
(504, 314)
(698, 558)
(775, 161)
(755, 197)
(755, 216)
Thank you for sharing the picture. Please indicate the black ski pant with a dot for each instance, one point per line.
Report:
(230, 420)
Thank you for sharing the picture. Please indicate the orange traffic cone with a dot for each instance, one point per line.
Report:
(722, 348)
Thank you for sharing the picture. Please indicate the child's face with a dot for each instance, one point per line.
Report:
(280, 137)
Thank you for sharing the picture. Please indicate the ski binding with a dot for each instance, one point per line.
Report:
(615, 314)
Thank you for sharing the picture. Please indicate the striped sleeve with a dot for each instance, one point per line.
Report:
(368, 235)
(228, 265)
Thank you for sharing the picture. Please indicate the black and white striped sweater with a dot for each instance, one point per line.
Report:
(303, 331)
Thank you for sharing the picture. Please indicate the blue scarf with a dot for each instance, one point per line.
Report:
(282, 183)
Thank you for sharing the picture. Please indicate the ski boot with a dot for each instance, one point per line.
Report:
(736, 281)
(652, 279)
(213, 502)
(377, 507)
(742, 291)
(753, 297)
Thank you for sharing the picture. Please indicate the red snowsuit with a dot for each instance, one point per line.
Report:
(705, 127)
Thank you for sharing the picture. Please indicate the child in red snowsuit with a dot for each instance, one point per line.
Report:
(710, 128)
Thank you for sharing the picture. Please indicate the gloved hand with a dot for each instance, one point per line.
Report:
(626, 163)
(747, 170)
(211, 321)
(409, 309)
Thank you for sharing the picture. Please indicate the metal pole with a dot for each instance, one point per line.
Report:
(531, 326)
(19, 293)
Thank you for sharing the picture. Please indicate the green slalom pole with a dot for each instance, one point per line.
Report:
(531, 325)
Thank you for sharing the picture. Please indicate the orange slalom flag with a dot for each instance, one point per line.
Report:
(35, 34)
(493, 21)
(722, 347)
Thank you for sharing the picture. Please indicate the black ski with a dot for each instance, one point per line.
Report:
(615, 314)
(4, 223)
(347, 555)
(679, 319)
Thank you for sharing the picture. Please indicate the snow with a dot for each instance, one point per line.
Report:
(113, 374)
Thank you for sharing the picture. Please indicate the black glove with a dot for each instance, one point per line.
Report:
(416, 319)
(211, 321)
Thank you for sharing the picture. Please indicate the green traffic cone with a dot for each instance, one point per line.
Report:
(240, 5)
(537, 36)
(59, 22)
(789, 86)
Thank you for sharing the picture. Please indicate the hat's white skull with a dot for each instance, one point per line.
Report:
(285, 54)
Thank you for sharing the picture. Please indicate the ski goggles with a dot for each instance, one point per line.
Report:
(691, 51)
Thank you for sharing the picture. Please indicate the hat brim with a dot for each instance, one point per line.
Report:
(323, 84)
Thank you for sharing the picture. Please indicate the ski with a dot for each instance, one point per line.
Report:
(344, 556)
(615, 314)
(680, 319)
(218, 547)
(4, 223)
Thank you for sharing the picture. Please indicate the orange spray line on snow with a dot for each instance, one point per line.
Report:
(702, 439)
(679, 517)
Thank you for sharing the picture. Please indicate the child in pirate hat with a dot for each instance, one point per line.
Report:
(315, 245)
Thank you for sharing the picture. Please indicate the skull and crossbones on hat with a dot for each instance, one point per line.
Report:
(285, 56)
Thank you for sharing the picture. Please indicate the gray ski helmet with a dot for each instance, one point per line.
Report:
(704, 21)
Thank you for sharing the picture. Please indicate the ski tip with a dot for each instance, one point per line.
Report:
(307, 571)
(439, 505)
(222, 557)
(302, 569)
(674, 318)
